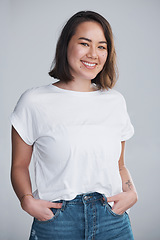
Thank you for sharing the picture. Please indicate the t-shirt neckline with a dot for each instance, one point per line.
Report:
(62, 90)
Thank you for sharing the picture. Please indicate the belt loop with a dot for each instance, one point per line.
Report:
(63, 205)
(105, 199)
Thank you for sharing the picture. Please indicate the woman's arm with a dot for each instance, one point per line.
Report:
(21, 157)
(20, 178)
(128, 197)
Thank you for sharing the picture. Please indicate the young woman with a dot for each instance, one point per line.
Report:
(75, 131)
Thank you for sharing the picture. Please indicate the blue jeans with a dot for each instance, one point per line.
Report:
(86, 217)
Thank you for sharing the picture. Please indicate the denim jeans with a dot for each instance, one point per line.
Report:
(86, 217)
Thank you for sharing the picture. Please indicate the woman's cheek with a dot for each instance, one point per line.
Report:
(78, 53)
(103, 58)
(81, 52)
(104, 55)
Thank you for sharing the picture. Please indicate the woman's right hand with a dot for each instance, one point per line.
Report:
(40, 209)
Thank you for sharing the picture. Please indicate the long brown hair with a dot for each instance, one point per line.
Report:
(108, 76)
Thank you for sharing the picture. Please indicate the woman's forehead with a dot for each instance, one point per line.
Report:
(90, 30)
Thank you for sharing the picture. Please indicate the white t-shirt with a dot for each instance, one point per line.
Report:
(76, 138)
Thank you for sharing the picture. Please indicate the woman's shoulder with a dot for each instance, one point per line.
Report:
(115, 93)
(31, 95)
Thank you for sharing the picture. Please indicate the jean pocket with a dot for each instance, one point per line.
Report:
(109, 208)
(55, 211)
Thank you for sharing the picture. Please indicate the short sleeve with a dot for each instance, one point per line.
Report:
(127, 130)
(23, 118)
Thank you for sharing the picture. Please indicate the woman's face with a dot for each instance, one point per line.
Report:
(87, 51)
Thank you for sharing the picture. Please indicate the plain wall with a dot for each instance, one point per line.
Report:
(29, 31)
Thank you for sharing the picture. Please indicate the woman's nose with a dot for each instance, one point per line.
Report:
(92, 53)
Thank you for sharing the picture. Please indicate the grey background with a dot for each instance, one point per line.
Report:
(29, 31)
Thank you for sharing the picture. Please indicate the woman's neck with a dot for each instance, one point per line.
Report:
(77, 86)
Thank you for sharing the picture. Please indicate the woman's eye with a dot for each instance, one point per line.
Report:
(85, 44)
(101, 47)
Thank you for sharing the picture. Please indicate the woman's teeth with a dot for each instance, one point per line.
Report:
(89, 64)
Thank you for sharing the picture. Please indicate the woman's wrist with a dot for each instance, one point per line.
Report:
(134, 195)
(27, 203)
(25, 196)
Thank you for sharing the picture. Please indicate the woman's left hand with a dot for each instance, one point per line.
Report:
(123, 201)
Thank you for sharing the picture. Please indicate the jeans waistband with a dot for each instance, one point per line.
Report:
(86, 197)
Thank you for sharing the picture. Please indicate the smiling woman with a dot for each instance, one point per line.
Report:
(75, 130)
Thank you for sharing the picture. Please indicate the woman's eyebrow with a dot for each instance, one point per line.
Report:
(89, 40)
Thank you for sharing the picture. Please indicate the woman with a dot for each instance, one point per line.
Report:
(75, 130)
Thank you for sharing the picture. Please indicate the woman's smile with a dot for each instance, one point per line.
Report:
(89, 65)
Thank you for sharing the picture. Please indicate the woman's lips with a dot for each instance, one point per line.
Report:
(89, 65)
